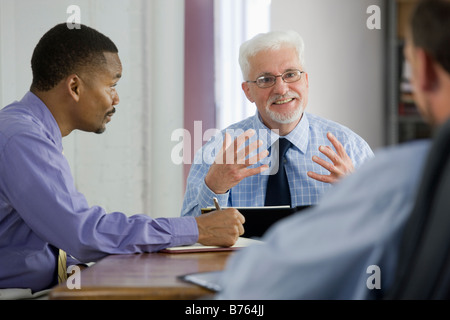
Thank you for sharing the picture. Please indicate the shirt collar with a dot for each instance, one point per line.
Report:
(299, 137)
(43, 114)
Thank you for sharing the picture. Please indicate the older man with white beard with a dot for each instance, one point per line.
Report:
(233, 166)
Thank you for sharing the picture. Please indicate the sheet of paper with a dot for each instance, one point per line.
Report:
(197, 247)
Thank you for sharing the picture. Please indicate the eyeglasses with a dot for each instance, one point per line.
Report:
(268, 81)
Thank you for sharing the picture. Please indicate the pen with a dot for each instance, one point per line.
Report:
(216, 204)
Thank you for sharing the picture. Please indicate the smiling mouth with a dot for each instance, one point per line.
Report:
(279, 102)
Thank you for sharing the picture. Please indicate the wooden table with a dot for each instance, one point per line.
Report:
(143, 276)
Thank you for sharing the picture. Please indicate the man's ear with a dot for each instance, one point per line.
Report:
(306, 79)
(427, 76)
(73, 83)
(246, 89)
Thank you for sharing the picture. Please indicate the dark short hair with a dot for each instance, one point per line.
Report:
(430, 26)
(63, 51)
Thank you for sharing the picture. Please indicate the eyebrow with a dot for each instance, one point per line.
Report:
(271, 74)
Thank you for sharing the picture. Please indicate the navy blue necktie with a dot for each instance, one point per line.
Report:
(277, 192)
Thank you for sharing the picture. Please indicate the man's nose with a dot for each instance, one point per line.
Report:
(116, 98)
(280, 87)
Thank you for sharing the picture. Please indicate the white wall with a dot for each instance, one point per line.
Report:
(344, 59)
(127, 168)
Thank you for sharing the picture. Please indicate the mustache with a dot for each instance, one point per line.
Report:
(289, 95)
(111, 112)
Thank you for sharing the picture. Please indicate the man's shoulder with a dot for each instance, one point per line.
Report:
(397, 164)
(14, 118)
(320, 126)
(323, 124)
(245, 124)
(404, 151)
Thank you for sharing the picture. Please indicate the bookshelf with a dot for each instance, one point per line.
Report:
(404, 120)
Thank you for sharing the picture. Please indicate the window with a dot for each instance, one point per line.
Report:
(235, 22)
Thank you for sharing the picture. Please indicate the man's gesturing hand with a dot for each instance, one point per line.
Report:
(340, 166)
(220, 228)
(231, 164)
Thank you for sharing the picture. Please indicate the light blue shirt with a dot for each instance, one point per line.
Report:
(325, 252)
(41, 210)
(306, 138)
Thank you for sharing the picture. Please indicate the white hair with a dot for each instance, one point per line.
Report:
(269, 41)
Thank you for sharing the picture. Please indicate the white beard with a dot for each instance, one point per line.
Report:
(286, 118)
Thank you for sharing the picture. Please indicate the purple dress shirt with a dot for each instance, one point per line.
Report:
(41, 210)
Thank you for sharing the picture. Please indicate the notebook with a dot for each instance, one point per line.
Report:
(259, 219)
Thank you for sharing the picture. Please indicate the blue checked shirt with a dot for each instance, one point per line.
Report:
(306, 138)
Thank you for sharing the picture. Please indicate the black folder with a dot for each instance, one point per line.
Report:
(259, 219)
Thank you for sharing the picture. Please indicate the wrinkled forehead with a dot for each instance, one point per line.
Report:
(274, 61)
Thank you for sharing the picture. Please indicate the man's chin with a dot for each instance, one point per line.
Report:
(285, 118)
(101, 130)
